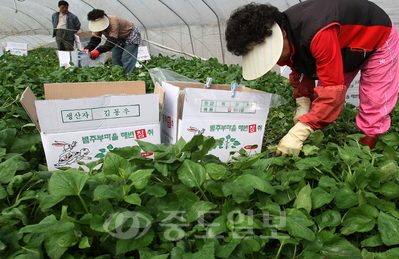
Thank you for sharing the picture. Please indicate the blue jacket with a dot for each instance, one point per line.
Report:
(72, 23)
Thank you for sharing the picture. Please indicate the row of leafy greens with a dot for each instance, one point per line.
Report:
(337, 199)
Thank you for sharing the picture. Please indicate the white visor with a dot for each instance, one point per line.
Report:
(99, 24)
(264, 56)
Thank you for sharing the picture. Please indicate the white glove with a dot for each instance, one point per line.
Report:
(293, 141)
(302, 107)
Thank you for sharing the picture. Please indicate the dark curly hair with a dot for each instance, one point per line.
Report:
(251, 24)
(95, 14)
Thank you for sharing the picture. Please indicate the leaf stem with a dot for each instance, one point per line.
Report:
(203, 193)
(83, 203)
(279, 251)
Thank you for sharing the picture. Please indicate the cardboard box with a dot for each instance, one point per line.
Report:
(79, 59)
(83, 121)
(191, 109)
(17, 48)
(82, 39)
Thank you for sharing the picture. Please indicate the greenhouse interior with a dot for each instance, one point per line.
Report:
(182, 27)
(189, 156)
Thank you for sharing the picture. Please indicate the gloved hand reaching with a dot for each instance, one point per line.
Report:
(303, 107)
(94, 54)
(293, 141)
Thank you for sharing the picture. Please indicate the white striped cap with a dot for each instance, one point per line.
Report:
(264, 56)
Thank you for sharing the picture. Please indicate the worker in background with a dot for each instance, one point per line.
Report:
(328, 41)
(123, 37)
(65, 25)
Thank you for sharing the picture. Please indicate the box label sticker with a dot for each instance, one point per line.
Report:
(100, 113)
(228, 106)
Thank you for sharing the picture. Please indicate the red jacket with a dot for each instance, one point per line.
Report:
(326, 44)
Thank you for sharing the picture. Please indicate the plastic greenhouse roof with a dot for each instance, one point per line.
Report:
(169, 27)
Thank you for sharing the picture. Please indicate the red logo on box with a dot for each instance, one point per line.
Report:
(254, 146)
(169, 122)
(146, 154)
(252, 128)
(140, 134)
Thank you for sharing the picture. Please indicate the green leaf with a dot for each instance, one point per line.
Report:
(303, 199)
(151, 148)
(67, 183)
(255, 182)
(133, 198)
(48, 225)
(240, 193)
(336, 247)
(250, 245)
(390, 254)
(217, 227)
(307, 163)
(243, 222)
(97, 224)
(84, 243)
(326, 181)
(53, 250)
(127, 245)
(372, 241)
(140, 178)
(311, 255)
(309, 150)
(3, 192)
(320, 197)
(297, 224)
(359, 219)
(329, 218)
(346, 198)
(226, 250)
(264, 164)
(107, 192)
(191, 174)
(317, 137)
(156, 190)
(388, 227)
(68, 239)
(198, 209)
(112, 163)
(216, 171)
(390, 190)
(390, 139)
(347, 156)
(388, 170)
(8, 169)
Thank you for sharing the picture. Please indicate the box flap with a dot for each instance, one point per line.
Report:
(184, 85)
(107, 111)
(84, 34)
(92, 89)
(171, 96)
(27, 100)
(159, 90)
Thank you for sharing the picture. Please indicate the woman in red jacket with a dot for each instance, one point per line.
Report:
(328, 41)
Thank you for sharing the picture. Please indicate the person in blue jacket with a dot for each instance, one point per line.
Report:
(65, 25)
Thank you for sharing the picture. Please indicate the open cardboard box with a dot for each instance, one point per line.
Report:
(192, 108)
(79, 59)
(82, 39)
(81, 122)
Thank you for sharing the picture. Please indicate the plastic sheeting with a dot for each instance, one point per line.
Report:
(170, 27)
